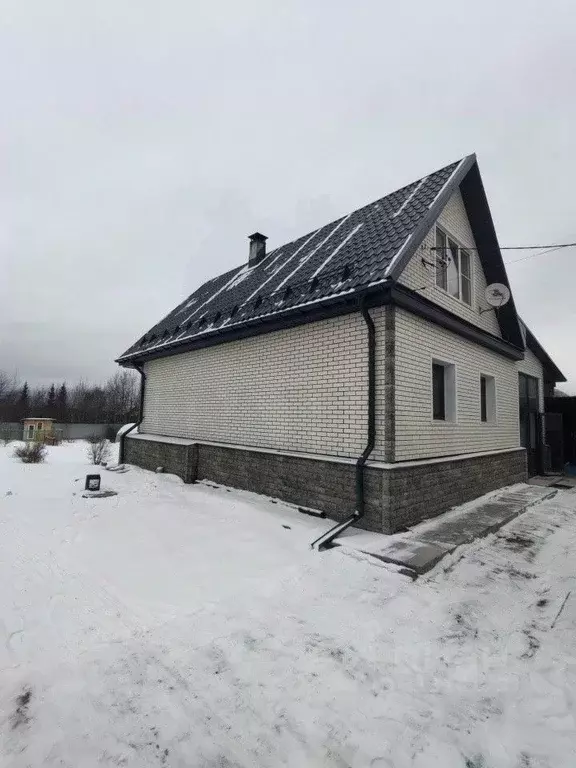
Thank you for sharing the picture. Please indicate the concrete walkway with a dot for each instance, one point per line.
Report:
(427, 543)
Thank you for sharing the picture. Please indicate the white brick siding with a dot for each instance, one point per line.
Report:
(302, 389)
(417, 275)
(418, 436)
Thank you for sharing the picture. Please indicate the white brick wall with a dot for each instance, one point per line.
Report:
(302, 389)
(417, 275)
(418, 436)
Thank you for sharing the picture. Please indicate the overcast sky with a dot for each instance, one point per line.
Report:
(142, 141)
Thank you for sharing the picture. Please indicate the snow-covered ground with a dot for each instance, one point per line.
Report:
(191, 626)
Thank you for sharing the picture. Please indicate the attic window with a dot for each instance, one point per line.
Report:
(152, 337)
(287, 293)
(346, 272)
(258, 302)
(202, 321)
(143, 341)
(176, 330)
(217, 317)
(234, 310)
(189, 325)
(314, 284)
(165, 333)
(453, 268)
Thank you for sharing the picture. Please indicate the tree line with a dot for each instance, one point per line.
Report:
(114, 402)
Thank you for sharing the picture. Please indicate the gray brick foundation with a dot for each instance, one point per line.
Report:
(395, 496)
(422, 490)
(176, 458)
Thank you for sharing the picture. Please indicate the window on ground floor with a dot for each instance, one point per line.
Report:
(487, 398)
(443, 391)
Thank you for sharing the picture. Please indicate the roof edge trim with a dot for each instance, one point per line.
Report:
(538, 350)
(402, 258)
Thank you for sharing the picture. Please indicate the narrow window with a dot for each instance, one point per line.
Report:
(443, 391)
(487, 398)
(453, 269)
(441, 260)
(465, 277)
(438, 392)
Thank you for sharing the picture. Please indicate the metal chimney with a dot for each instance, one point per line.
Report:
(257, 248)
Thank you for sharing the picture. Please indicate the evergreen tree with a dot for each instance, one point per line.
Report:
(51, 402)
(62, 403)
(23, 401)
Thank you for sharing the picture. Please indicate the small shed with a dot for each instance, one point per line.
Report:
(38, 429)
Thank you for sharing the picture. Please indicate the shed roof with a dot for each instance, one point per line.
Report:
(38, 418)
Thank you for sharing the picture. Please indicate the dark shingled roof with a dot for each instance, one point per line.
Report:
(364, 248)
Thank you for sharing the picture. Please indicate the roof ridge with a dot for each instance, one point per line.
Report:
(377, 200)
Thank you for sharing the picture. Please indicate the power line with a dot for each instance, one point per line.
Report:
(534, 247)
(542, 250)
(549, 250)
(512, 247)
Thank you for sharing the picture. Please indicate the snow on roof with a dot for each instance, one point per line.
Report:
(342, 257)
(38, 418)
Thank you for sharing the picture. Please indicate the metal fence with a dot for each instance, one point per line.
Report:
(14, 430)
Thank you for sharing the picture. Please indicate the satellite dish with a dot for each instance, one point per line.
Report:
(497, 294)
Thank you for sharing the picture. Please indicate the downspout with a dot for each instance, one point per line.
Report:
(140, 369)
(325, 540)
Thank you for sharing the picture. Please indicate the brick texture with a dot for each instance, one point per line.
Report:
(312, 483)
(422, 491)
(302, 389)
(418, 436)
(178, 460)
(323, 485)
(394, 497)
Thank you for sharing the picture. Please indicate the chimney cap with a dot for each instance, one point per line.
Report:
(258, 237)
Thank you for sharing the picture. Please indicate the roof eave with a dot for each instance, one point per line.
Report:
(375, 295)
(554, 373)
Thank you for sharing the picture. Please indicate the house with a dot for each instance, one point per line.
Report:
(38, 429)
(358, 369)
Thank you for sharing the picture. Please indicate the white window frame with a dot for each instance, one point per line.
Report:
(491, 398)
(450, 391)
(459, 249)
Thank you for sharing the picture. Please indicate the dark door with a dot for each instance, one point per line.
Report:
(529, 421)
(555, 439)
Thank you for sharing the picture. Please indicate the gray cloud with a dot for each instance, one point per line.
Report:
(142, 142)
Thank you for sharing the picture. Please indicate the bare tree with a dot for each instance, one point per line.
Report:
(31, 453)
(121, 396)
(98, 449)
(7, 386)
